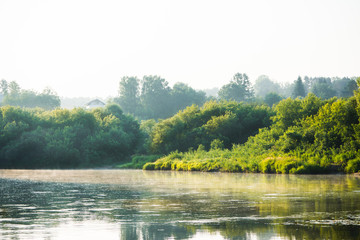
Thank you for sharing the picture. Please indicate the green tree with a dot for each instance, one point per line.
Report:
(263, 86)
(349, 89)
(14, 88)
(239, 89)
(66, 138)
(129, 98)
(299, 89)
(47, 100)
(290, 111)
(272, 98)
(4, 87)
(155, 97)
(184, 96)
(323, 90)
(229, 122)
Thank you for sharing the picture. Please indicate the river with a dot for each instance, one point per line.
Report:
(132, 204)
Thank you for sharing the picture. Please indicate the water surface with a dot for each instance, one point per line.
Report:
(131, 204)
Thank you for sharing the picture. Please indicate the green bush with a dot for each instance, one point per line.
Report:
(229, 122)
(138, 161)
(284, 165)
(353, 166)
(66, 138)
(267, 165)
(149, 166)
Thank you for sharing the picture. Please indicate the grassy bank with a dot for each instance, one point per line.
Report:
(234, 161)
(138, 161)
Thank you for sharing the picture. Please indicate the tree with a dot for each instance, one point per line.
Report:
(290, 111)
(183, 96)
(66, 138)
(14, 88)
(129, 94)
(15, 96)
(348, 91)
(263, 86)
(323, 90)
(4, 87)
(229, 122)
(152, 98)
(155, 97)
(299, 89)
(272, 98)
(239, 89)
(48, 99)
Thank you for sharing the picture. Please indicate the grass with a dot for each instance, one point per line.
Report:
(138, 161)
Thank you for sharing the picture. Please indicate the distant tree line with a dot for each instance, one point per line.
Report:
(325, 88)
(152, 97)
(15, 96)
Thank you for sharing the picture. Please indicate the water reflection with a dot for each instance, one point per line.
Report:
(176, 205)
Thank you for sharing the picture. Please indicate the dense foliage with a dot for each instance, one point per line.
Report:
(307, 135)
(244, 128)
(229, 122)
(66, 138)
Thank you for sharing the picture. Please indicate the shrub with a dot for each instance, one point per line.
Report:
(149, 166)
(138, 161)
(353, 166)
(267, 165)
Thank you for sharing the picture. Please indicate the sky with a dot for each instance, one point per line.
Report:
(84, 47)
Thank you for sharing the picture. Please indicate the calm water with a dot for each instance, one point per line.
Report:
(129, 204)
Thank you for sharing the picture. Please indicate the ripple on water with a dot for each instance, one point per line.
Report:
(346, 222)
(145, 208)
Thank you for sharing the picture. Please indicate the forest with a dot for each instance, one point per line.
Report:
(308, 126)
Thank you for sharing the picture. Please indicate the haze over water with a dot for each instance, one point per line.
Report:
(130, 204)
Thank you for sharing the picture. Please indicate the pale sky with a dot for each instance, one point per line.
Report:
(84, 47)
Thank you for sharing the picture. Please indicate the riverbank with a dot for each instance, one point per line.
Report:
(307, 136)
(223, 163)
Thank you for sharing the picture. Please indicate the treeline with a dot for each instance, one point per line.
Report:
(13, 95)
(235, 131)
(271, 92)
(152, 98)
(307, 135)
(34, 138)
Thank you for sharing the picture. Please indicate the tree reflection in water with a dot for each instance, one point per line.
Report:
(137, 205)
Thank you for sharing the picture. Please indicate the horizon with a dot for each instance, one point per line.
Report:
(83, 48)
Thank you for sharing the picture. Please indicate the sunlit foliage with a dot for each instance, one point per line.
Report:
(229, 122)
(307, 135)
